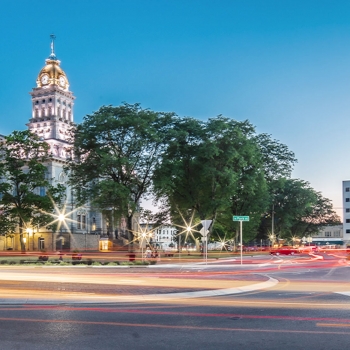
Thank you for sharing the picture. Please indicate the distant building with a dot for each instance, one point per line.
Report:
(346, 211)
(329, 235)
(163, 237)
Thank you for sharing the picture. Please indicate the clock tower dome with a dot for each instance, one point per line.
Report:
(52, 106)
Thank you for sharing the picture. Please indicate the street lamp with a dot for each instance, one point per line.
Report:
(61, 218)
(29, 233)
(143, 236)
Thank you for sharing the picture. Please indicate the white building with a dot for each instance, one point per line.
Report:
(329, 235)
(164, 237)
(52, 116)
(346, 211)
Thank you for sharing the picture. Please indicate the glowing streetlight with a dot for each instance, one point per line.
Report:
(143, 236)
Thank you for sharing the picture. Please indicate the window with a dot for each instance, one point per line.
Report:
(347, 199)
(41, 243)
(83, 220)
(347, 189)
(347, 210)
(93, 227)
(42, 191)
(328, 234)
(347, 221)
(347, 231)
(79, 222)
(337, 234)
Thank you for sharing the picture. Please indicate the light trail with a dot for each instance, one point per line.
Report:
(163, 326)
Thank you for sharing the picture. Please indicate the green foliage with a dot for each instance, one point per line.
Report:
(23, 173)
(298, 209)
(117, 150)
(212, 169)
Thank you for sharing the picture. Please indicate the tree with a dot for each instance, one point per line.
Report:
(278, 161)
(23, 173)
(208, 167)
(116, 150)
(299, 210)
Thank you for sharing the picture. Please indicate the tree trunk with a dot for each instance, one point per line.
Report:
(23, 247)
(130, 233)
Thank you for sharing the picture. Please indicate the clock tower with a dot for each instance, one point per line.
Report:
(52, 106)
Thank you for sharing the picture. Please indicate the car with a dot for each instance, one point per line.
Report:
(284, 251)
(169, 252)
(250, 249)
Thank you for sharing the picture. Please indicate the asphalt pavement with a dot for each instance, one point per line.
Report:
(299, 302)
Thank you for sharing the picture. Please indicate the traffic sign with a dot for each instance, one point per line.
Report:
(241, 218)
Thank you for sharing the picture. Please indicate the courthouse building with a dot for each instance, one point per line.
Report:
(52, 116)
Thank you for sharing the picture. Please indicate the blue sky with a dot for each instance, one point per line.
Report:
(283, 65)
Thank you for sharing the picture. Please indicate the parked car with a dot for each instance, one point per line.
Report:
(284, 251)
(169, 252)
(250, 249)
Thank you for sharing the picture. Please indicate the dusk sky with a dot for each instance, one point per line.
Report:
(283, 65)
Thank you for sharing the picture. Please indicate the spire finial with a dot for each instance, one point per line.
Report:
(52, 55)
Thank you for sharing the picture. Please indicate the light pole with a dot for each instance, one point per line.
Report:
(29, 233)
(61, 218)
(143, 236)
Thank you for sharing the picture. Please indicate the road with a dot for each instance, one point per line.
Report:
(302, 302)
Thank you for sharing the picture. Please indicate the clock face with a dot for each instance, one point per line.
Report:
(44, 79)
(62, 81)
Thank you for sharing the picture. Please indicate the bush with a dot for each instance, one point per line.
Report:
(12, 262)
(3, 262)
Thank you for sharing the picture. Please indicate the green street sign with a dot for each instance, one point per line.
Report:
(241, 218)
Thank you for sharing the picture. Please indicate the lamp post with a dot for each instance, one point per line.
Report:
(143, 236)
(29, 233)
(61, 218)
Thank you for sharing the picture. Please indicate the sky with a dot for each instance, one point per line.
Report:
(283, 65)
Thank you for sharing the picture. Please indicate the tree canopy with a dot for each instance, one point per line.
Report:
(116, 150)
(23, 173)
(196, 169)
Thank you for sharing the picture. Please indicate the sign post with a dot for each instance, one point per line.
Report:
(241, 219)
(204, 232)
